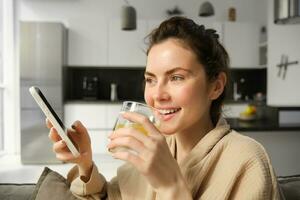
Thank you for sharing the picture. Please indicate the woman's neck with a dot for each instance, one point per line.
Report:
(186, 140)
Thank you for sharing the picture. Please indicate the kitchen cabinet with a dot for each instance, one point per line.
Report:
(87, 42)
(244, 51)
(283, 48)
(127, 48)
(241, 41)
(98, 118)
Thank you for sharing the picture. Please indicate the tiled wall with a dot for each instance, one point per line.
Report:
(129, 83)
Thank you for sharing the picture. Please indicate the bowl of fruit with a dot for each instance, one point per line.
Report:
(248, 114)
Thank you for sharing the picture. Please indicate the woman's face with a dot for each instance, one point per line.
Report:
(177, 86)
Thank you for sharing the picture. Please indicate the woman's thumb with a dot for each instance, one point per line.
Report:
(79, 127)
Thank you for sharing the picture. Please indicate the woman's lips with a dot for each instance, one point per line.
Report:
(167, 114)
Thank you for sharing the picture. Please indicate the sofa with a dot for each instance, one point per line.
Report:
(289, 188)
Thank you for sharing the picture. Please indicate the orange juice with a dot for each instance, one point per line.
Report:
(136, 126)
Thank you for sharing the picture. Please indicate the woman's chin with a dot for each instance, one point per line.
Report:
(167, 130)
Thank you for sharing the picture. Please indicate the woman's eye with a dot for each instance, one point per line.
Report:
(177, 78)
(149, 80)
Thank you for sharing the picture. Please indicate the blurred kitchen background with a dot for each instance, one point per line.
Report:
(88, 56)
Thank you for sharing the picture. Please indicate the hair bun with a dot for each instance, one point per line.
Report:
(212, 32)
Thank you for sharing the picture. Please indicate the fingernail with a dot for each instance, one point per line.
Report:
(62, 142)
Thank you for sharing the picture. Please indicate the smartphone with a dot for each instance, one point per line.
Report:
(53, 117)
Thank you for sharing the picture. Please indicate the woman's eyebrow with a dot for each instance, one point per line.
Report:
(170, 71)
(178, 69)
(148, 74)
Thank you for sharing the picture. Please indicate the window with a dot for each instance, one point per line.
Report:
(1, 79)
(9, 120)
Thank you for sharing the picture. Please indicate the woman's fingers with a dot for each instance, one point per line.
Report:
(78, 127)
(130, 157)
(66, 157)
(129, 142)
(143, 120)
(60, 146)
(53, 135)
(48, 123)
(128, 132)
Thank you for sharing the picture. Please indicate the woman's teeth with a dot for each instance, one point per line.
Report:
(166, 112)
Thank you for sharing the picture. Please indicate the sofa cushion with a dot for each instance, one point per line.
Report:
(10, 191)
(52, 185)
(290, 186)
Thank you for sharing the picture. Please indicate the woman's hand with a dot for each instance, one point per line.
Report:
(80, 137)
(153, 159)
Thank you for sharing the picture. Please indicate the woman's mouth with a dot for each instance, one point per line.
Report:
(167, 114)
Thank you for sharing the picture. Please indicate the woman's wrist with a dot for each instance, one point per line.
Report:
(85, 162)
(85, 170)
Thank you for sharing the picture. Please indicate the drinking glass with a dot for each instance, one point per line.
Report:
(132, 106)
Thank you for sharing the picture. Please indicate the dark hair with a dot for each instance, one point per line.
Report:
(204, 42)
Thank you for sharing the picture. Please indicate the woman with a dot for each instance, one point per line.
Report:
(194, 154)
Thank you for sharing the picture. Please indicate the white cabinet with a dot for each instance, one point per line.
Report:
(126, 48)
(99, 119)
(241, 41)
(93, 116)
(283, 87)
(87, 42)
(99, 140)
(283, 47)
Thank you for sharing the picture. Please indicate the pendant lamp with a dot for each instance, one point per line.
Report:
(128, 17)
(206, 9)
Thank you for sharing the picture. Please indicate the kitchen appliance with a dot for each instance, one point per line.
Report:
(113, 92)
(42, 55)
(90, 87)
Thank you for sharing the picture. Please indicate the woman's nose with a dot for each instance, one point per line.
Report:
(161, 93)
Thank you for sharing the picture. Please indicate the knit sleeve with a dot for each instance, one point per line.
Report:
(96, 188)
(257, 180)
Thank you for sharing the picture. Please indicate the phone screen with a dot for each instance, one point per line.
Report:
(50, 108)
(53, 117)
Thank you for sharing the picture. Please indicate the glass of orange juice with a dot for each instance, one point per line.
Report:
(132, 106)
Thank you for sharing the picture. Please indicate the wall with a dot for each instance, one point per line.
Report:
(62, 10)
(283, 149)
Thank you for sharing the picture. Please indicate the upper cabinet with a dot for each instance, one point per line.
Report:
(87, 42)
(283, 63)
(241, 41)
(127, 48)
(102, 43)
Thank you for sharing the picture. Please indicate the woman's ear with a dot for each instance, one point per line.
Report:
(217, 86)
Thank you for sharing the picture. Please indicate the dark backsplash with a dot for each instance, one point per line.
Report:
(94, 83)
(249, 83)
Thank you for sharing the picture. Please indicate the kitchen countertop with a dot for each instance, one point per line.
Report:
(261, 125)
(236, 124)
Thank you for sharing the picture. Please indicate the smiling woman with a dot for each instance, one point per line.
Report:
(193, 153)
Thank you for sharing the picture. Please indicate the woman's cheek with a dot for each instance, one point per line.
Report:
(184, 95)
(148, 97)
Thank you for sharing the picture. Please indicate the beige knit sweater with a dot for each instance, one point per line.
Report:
(223, 165)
